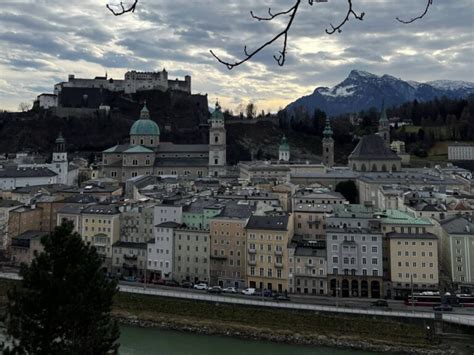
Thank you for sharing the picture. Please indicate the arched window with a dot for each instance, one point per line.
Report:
(394, 167)
(216, 139)
(151, 141)
(384, 168)
(374, 167)
(363, 167)
(141, 141)
(354, 167)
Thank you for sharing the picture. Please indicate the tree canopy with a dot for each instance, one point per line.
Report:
(63, 303)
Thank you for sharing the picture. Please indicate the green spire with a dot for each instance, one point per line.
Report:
(144, 113)
(383, 115)
(328, 130)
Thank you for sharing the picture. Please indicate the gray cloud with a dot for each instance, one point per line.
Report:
(47, 41)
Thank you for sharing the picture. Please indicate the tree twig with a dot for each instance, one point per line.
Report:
(350, 11)
(123, 9)
(428, 4)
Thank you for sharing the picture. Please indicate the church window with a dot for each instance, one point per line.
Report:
(151, 141)
(394, 167)
(216, 161)
(363, 167)
(384, 168)
(216, 139)
(374, 167)
(141, 141)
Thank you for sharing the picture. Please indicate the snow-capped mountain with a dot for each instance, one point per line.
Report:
(362, 90)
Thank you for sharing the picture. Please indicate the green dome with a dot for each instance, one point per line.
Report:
(145, 126)
(327, 129)
(217, 114)
(284, 146)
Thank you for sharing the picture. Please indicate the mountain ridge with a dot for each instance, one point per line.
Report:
(362, 90)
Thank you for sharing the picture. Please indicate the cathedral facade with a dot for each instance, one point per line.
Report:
(147, 155)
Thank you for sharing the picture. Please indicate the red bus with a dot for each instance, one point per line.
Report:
(427, 298)
(430, 299)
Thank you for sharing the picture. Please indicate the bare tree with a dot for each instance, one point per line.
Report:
(24, 106)
(280, 58)
(251, 111)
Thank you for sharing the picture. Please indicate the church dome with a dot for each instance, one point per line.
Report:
(145, 126)
(284, 146)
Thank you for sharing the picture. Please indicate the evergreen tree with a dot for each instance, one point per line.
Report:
(63, 303)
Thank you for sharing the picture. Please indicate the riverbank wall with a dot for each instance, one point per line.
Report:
(277, 325)
(369, 333)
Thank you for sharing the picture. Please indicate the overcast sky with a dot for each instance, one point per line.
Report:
(42, 41)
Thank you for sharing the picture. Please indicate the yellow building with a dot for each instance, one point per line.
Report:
(101, 228)
(267, 252)
(413, 262)
(229, 245)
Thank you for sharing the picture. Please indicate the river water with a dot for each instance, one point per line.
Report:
(150, 341)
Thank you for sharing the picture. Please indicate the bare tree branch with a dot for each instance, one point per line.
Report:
(281, 58)
(123, 9)
(430, 2)
(291, 12)
(350, 12)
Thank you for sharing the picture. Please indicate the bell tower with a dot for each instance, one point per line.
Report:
(328, 145)
(384, 126)
(217, 143)
(284, 150)
(59, 162)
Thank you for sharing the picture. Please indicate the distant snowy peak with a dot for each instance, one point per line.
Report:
(451, 84)
(361, 74)
(362, 90)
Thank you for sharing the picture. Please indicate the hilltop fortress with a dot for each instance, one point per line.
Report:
(132, 83)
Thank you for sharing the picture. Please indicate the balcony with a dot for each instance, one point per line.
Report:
(252, 262)
(252, 250)
(130, 257)
(278, 265)
(219, 257)
(129, 266)
(278, 252)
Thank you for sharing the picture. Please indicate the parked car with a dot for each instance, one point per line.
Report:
(187, 284)
(172, 283)
(380, 303)
(158, 281)
(281, 297)
(443, 307)
(229, 290)
(248, 291)
(200, 286)
(130, 278)
(214, 289)
(266, 293)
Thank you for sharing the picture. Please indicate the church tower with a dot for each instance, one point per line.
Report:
(328, 145)
(384, 126)
(217, 143)
(284, 150)
(59, 162)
